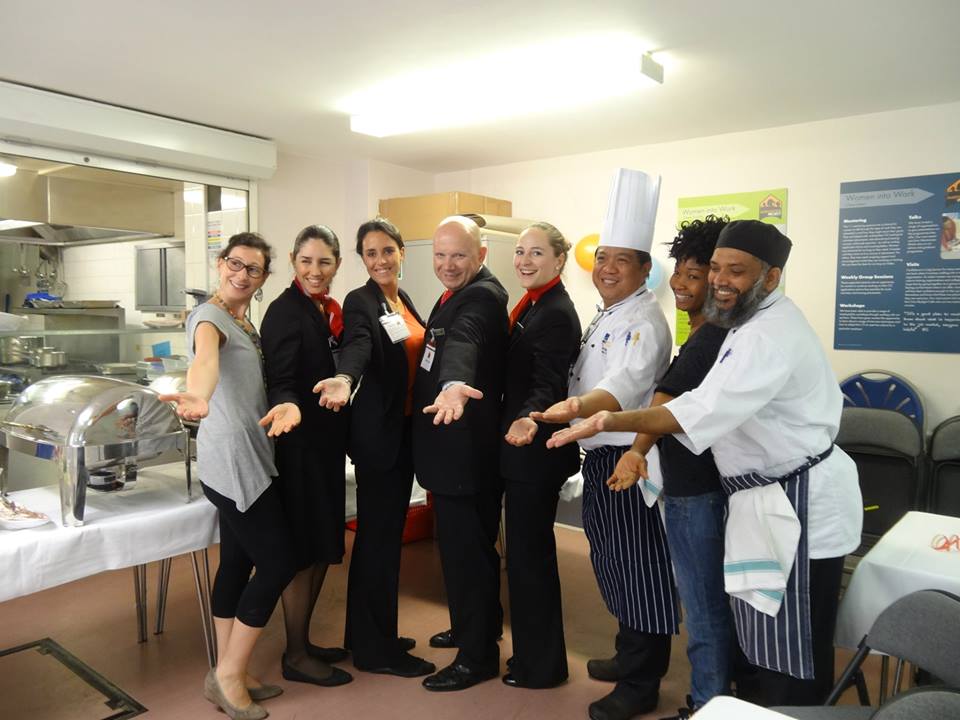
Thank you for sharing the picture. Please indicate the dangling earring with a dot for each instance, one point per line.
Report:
(258, 295)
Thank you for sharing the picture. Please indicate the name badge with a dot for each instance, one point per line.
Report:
(428, 352)
(395, 327)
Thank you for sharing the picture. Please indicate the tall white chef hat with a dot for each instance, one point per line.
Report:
(631, 210)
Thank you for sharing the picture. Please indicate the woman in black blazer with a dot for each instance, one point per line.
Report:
(544, 340)
(299, 333)
(382, 343)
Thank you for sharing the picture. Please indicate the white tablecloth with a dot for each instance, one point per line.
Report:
(729, 708)
(149, 522)
(902, 562)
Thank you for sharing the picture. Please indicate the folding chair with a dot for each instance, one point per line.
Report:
(927, 703)
(888, 450)
(883, 390)
(945, 468)
(922, 628)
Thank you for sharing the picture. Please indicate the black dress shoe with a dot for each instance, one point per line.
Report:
(618, 707)
(607, 670)
(407, 666)
(456, 677)
(328, 655)
(406, 644)
(336, 677)
(443, 640)
(511, 680)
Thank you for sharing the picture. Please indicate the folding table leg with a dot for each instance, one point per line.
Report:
(202, 583)
(140, 597)
(163, 585)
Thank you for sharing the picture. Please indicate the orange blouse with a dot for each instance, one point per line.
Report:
(412, 345)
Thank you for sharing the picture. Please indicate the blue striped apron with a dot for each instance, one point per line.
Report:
(628, 549)
(783, 643)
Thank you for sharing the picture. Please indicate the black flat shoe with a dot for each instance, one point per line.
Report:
(328, 655)
(510, 680)
(456, 677)
(336, 677)
(406, 644)
(617, 707)
(408, 666)
(607, 670)
(443, 640)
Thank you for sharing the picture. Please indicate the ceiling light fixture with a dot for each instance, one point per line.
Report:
(549, 76)
(7, 169)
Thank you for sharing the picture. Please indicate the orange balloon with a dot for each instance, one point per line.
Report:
(585, 249)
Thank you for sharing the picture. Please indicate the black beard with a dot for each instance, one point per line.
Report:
(743, 309)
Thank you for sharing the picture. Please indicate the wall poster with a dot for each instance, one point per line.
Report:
(767, 205)
(898, 265)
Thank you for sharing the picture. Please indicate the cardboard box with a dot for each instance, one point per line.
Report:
(417, 217)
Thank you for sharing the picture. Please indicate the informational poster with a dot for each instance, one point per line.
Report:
(767, 205)
(898, 265)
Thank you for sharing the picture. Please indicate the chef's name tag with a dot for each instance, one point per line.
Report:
(395, 327)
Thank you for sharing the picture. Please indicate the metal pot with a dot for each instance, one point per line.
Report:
(14, 350)
(49, 357)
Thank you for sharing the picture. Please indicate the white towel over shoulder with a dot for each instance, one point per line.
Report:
(761, 540)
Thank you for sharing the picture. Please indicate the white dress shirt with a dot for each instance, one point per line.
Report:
(625, 351)
(769, 402)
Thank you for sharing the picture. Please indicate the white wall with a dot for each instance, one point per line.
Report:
(810, 160)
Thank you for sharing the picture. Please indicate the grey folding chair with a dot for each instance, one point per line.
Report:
(888, 449)
(927, 703)
(945, 468)
(922, 628)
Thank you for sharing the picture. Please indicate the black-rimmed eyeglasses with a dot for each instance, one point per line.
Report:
(236, 264)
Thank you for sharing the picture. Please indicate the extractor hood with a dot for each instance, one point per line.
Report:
(63, 205)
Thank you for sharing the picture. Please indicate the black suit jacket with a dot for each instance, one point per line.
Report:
(376, 418)
(297, 354)
(470, 338)
(542, 347)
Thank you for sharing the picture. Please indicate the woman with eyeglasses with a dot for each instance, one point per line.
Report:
(301, 331)
(544, 340)
(226, 388)
(382, 344)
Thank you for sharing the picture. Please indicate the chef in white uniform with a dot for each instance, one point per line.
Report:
(624, 352)
(770, 410)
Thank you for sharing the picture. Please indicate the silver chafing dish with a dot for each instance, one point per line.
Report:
(95, 428)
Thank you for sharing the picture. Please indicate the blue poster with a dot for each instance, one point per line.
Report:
(898, 265)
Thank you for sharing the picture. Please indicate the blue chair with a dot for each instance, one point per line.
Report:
(885, 391)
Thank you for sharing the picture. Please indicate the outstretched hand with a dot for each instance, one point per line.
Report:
(584, 429)
(189, 405)
(334, 393)
(631, 466)
(281, 418)
(448, 407)
(521, 432)
(561, 412)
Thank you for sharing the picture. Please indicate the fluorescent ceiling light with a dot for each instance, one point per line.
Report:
(7, 169)
(559, 74)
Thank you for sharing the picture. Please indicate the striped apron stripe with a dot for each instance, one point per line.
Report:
(628, 549)
(783, 643)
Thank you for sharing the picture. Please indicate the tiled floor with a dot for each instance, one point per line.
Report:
(94, 619)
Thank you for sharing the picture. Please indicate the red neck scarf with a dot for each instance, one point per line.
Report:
(529, 297)
(331, 308)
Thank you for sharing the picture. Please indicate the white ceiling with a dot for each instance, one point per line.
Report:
(277, 69)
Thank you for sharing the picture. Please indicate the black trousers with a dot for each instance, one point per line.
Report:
(257, 538)
(373, 586)
(643, 658)
(536, 615)
(467, 528)
(768, 688)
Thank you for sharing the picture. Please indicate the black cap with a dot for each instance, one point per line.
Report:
(760, 239)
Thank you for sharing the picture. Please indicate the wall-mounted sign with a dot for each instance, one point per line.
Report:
(898, 265)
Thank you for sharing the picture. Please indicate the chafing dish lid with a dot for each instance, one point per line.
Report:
(75, 410)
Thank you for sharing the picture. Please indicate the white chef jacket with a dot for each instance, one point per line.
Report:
(625, 351)
(769, 402)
